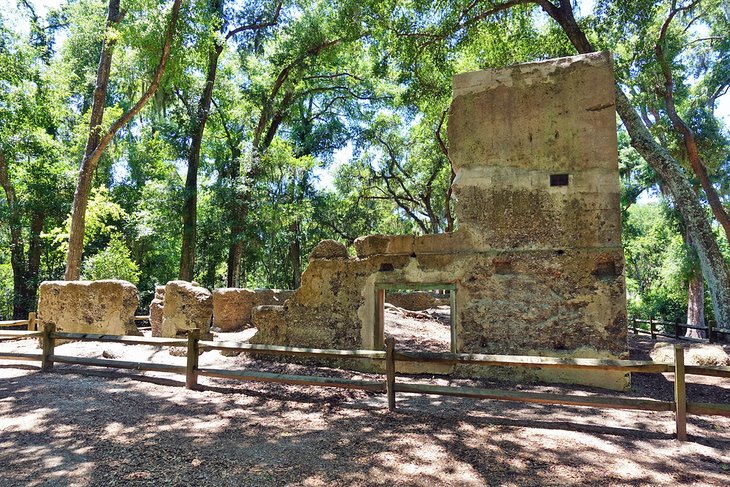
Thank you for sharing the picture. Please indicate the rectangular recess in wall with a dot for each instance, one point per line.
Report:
(559, 179)
(380, 291)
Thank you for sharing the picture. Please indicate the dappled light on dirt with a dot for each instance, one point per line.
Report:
(85, 426)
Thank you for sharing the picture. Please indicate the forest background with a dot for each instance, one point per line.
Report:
(230, 137)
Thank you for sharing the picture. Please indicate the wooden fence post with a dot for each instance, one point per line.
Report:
(676, 329)
(31, 321)
(711, 332)
(191, 371)
(680, 394)
(633, 325)
(652, 328)
(49, 344)
(390, 371)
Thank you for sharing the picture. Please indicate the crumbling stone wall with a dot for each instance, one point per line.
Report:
(232, 306)
(186, 306)
(537, 261)
(105, 307)
(157, 311)
(416, 300)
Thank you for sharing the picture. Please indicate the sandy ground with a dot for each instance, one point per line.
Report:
(88, 426)
(422, 331)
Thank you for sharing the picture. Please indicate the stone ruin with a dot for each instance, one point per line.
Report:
(104, 307)
(535, 267)
(536, 263)
(232, 307)
(109, 306)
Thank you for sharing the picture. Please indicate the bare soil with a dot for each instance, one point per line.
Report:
(87, 427)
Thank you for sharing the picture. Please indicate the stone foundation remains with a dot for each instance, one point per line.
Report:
(186, 306)
(537, 262)
(157, 311)
(232, 306)
(105, 307)
(416, 300)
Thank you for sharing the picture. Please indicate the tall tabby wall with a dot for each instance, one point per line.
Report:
(537, 260)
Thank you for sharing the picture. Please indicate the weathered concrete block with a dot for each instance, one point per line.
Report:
(186, 307)
(232, 306)
(157, 311)
(105, 307)
(384, 245)
(329, 249)
(416, 300)
(271, 324)
(537, 262)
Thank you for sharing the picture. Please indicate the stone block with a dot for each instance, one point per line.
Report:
(186, 307)
(271, 324)
(384, 245)
(329, 249)
(416, 300)
(232, 307)
(106, 307)
(156, 311)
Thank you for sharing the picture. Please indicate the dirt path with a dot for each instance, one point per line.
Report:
(83, 426)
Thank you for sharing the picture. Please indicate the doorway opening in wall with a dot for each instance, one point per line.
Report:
(421, 317)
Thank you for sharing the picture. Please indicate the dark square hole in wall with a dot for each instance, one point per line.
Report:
(558, 180)
(605, 270)
(502, 266)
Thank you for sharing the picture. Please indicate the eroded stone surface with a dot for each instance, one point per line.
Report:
(232, 306)
(329, 249)
(537, 261)
(416, 301)
(157, 311)
(186, 307)
(105, 307)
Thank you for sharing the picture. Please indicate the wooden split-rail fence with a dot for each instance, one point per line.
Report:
(391, 383)
(674, 329)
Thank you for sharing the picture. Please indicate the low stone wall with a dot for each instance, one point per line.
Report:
(105, 307)
(416, 300)
(157, 311)
(186, 306)
(232, 307)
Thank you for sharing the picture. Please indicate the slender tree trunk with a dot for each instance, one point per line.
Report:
(295, 255)
(187, 259)
(96, 143)
(711, 260)
(688, 136)
(696, 305)
(33, 266)
(88, 166)
(235, 253)
(695, 296)
(235, 246)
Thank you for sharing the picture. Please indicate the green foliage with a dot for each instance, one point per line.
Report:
(113, 262)
(368, 77)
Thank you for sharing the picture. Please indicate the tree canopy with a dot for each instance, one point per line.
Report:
(220, 141)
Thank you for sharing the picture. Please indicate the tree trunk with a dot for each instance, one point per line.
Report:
(711, 260)
(32, 267)
(235, 246)
(187, 259)
(695, 296)
(696, 306)
(96, 144)
(88, 166)
(688, 136)
(295, 255)
(235, 252)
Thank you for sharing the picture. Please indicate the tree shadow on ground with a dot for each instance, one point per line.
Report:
(104, 427)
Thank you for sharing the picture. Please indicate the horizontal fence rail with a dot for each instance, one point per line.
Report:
(713, 332)
(390, 386)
